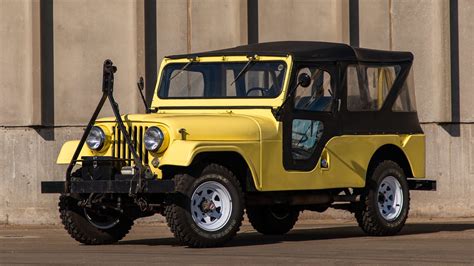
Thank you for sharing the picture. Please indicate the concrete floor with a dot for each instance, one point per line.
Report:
(330, 242)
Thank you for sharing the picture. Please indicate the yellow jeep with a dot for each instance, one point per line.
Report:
(271, 128)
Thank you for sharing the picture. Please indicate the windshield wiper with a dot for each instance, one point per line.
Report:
(244, 69)
(191, 60)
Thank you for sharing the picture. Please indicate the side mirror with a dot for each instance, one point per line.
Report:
(304, 80)
(141, 83)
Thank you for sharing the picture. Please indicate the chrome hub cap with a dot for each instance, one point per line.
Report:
(390, 198)
(211, 206)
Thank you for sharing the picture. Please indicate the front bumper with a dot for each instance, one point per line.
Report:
(108, 186)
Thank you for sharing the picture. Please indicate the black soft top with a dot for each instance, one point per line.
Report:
(305, 50)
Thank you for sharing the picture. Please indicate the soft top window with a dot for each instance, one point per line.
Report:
(368, 86)
(405, 101)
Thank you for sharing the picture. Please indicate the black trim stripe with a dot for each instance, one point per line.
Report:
(252, 21)
(47, 62)
(354, 22)
(454, 54)
(151, 54)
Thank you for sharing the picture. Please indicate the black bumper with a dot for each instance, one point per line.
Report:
(108, 186)
(422, 184)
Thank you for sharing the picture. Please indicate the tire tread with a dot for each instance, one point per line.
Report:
(68, 215)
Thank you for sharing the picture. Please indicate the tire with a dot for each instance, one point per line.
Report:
(271, 221)
(385, 202)
(197, 217)
(81, 228)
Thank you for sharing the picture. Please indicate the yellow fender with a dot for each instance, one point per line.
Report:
(182, 153)
(67, 151)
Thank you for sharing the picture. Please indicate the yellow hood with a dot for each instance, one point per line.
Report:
(208, 126)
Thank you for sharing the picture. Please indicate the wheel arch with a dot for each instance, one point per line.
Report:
(232, 160)
(393, 153)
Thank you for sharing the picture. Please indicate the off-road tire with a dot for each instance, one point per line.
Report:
(76, 224)
(264, 220)
(178, 214)
(367, 212)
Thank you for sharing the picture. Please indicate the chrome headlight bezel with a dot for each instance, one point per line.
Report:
(153, 139)
(96, 138)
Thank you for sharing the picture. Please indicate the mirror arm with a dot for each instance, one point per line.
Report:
(290, 94)
(140, 85)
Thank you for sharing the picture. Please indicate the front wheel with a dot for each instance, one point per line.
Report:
(207, 211)
(92, 226)
(385, 203)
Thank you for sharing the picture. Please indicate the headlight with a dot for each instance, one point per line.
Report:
(153, 139)
(96, 138)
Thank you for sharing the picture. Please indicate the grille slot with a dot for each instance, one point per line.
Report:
(120, 148)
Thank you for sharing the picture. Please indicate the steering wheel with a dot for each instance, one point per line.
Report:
(263, 90)
(303, 136)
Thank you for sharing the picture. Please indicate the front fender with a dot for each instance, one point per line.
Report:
(182, 153)
(67, 151)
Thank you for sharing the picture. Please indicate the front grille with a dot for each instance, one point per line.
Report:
(120, 148)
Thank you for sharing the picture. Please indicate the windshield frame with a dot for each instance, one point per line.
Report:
(272, 102)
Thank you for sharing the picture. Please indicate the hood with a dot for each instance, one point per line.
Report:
(208, 126)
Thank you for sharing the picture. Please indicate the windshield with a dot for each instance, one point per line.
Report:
(257, 79)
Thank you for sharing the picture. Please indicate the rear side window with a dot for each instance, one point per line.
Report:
(405, 101)
(368, 86)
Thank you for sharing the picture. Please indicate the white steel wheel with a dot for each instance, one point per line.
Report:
(390, 198)
(211, 206)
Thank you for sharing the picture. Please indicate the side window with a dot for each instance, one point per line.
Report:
(405, 101)
(368, 87)
(305, 136)
(318, 95)
(189, 83)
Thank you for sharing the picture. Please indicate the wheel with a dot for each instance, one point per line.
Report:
(92, 226)
(385, 203)
(207, 210)
(272, 220)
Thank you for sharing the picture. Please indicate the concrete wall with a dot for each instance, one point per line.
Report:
(18, 67)
(466, 59)
(85, 32)
(26, 160)
(324, 20)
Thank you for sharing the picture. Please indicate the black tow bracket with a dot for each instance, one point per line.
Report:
(143, 171)
(108, 186)
(421, 184)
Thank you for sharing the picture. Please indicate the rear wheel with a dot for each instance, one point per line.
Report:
(207, 210)
(272, 220)
(385, 203)
(92, 226)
